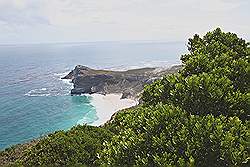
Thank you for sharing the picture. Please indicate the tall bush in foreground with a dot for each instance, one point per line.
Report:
(222, 53)
(167, 136)
(199, 94)
(215, 78)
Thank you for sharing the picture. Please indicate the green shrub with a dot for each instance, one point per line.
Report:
(167, 136)
(219, 52)
(77, 146)
(215, 78)
(190, 118)
(199, 94)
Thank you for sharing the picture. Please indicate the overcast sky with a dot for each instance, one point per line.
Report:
(42, 21)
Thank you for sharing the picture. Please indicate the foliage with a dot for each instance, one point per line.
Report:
(11, 154)
(76, 146)
(199, 94)
(219, 52)
(167, 136)
(214, 82)
(215, 78)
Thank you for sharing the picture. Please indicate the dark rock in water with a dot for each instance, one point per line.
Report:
(130, 83)
(69, 76)
(126, 95)
(77, 91)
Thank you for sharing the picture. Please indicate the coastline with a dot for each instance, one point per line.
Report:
(112, 91)
(109, 91)
(109, 104)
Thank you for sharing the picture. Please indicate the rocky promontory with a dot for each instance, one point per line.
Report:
(130, 83)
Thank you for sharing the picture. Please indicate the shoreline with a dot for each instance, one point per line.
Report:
(121, 88)
(107, 105)
(112, 91)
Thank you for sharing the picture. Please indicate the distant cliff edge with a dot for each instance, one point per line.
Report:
(130, 83)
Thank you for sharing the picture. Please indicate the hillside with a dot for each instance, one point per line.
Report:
(130, 83)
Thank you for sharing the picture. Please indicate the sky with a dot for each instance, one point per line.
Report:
(48, 21)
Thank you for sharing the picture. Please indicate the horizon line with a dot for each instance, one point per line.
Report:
(82, 42)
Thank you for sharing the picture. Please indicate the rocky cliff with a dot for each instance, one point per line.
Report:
(130, 83)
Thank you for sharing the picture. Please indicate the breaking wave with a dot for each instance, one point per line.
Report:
(38, 92)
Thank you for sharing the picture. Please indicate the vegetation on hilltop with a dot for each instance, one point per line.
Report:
(196, 117)
(165, 135)
(215, 78)
(77, 147)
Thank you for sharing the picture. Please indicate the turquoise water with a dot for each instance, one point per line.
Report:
(34, 101)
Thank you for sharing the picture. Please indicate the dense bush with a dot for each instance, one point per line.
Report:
(200, 94)
(221, 53)
(215, 78)
(76, 146)
(213, 83)
(165, 135)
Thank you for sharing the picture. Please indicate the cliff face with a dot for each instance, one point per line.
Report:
(130, 83)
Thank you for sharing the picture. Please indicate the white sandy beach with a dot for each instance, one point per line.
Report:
(107, 105)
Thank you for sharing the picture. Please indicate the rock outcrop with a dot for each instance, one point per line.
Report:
(130, 83)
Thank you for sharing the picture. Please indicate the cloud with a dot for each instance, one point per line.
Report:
(91, 20)
(21, 13)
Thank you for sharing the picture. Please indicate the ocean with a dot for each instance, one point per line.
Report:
(34, 101)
